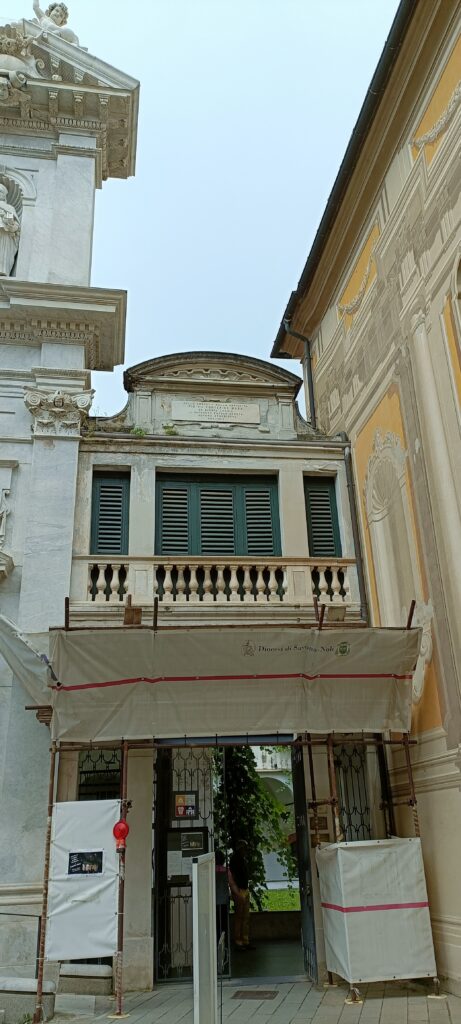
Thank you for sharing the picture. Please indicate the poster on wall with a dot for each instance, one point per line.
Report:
(185, 805)
(83, 885)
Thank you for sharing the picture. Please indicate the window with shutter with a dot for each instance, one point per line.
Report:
(259, 522)
(217, 531)
(174, 514)
(110, 511)
(216, 516)
(322, 517)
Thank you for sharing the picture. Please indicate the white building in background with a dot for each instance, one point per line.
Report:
(208, 490)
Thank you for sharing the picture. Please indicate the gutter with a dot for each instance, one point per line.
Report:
(363, 124)
(308, 364)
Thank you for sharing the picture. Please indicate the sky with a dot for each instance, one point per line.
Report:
(246, 110)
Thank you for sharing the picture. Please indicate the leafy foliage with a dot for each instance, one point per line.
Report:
(244, 809)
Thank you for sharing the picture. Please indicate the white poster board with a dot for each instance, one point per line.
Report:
(375, 910)
(204, 940)
(83, 885)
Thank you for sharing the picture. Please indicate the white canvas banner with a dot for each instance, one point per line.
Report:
(135, 683)
(83, 886)
(375, 910)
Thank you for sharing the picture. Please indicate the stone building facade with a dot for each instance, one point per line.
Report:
(377, 322)
(208, 490)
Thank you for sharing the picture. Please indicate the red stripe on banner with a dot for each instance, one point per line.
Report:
(377, 906)
(225, 679)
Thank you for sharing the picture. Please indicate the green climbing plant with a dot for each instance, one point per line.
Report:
(244, 809)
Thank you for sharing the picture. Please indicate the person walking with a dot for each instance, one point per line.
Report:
(239, 882)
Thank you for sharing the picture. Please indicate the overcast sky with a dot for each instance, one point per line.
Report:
(246, 110)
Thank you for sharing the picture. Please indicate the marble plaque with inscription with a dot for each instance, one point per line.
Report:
(215, 412)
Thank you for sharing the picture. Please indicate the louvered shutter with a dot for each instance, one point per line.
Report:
(217, 526)
(322, 518)
(111, 497)
(259, 524)
(174, 520)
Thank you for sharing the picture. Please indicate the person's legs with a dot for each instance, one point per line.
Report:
(245, 931)
(239, 905)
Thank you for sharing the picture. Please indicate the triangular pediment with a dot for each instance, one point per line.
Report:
(217, 370)
(47, 82)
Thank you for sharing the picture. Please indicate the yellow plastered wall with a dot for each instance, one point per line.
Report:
(453, 345)
(439, 101)
(362, 276)
(387, 417)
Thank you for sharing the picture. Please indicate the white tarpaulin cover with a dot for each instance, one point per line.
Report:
(28, 664)
(83, 887)
(375, 910)
(137, 683)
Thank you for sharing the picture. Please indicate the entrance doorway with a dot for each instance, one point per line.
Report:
(204, 800)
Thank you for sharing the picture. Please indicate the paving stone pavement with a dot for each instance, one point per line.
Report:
(295, 1003)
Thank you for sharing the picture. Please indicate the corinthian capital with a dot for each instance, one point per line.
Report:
(58, 412)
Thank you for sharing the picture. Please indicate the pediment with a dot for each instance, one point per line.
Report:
(220, 371)
(47, 82)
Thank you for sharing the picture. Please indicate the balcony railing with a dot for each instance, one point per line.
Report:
(218, 581)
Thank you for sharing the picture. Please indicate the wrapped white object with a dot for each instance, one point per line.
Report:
(138, 683)
(375, 910)
(83, 887)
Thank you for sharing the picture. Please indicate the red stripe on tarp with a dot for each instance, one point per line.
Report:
(377, 906)
(221, 679)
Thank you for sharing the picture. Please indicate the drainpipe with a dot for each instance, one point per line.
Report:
(364, 610)
(308, 363)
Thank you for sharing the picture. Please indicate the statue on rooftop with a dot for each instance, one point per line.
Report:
(9, 233)
(54, 20)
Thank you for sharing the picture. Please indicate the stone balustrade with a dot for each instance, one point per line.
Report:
(212, 581)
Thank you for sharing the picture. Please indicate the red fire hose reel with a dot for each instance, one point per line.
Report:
(120, 831)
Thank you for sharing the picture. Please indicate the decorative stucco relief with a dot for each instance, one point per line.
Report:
(58, 412)
(4, 512)
(443, 121)
(354, 305)
(394, 547)
(386, 470)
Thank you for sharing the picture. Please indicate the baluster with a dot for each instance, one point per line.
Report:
(115, 584)
(335, 585)
(221, 596)
(247, 586)
(234, 585)
(260, 587)
(346, 585)
(207, 586)
(273, 596)
(323, 585)
(168, 586)
(193, 585)
(180, 586)
(284, 584)
(101, 584)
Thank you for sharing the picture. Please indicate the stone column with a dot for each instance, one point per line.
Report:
(444, 501)
(138, 957)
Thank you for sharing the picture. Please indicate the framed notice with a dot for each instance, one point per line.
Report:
(185, 805)
(84, 863)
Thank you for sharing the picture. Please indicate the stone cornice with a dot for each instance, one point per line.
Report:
(68, 88)
(33, 313)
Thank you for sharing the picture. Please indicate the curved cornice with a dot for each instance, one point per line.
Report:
(218, 369)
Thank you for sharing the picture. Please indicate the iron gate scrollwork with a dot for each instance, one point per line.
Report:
(182, 828)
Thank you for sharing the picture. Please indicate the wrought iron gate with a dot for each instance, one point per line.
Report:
(304, 862)
(183, 827)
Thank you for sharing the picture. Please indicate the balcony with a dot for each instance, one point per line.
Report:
(196, 583)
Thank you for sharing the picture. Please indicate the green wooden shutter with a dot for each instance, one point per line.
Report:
(259, 522)
(110, 513)
(173, 518)
(217, 527)
(322, 517)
